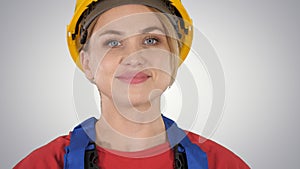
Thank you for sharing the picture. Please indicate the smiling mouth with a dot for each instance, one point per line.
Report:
(133, 78)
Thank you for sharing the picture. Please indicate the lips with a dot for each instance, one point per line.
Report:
(133, 77)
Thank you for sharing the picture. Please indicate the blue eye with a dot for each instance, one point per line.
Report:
(113, 43)
(150, 41)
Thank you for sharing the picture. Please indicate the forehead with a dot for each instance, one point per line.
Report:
(128, 18)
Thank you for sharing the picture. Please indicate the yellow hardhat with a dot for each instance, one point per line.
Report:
(87, 10)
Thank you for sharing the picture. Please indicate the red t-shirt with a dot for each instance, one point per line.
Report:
(51, 156)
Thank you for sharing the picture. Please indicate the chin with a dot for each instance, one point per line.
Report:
(137, 101)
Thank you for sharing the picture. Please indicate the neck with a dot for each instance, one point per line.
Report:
(127, 128)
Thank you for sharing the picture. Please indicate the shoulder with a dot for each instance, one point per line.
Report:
(50, 155)
(218, 156)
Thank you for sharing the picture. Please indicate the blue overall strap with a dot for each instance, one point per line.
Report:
(196, 158)
(82, 135)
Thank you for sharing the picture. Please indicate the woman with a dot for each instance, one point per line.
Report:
(130, 50)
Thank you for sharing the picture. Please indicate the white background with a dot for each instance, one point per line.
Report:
(257, 43)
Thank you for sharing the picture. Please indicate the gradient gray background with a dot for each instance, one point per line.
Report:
(258, 45)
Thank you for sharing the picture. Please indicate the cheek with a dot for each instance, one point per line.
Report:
(163, 64)
(159, 85)
(163, 80)
(105, 71)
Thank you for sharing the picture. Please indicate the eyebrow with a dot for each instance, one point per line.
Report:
(151, 29)
(114, 32)
(146, 30)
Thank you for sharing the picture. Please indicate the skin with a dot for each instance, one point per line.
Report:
(125, 39)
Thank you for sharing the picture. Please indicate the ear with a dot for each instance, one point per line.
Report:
(86, 67)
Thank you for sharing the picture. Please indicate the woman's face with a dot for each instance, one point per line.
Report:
(128, 56)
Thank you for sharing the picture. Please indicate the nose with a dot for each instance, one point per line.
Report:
(132, 55)
(134, 60)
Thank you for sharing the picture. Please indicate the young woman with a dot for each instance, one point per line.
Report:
(130, 49)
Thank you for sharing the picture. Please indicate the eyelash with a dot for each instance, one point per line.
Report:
(157, 40)
(108, 43)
